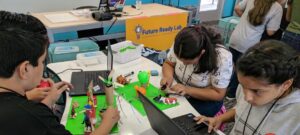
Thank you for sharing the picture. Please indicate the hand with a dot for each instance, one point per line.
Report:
(166, 81)
(111, 116)
(55, 91)
(213, 122)
(180, 89)
(37, 94)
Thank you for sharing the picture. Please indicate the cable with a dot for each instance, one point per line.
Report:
(111, 25)
(69, 69)
(126, 14)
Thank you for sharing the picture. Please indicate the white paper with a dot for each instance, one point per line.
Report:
(62, 17)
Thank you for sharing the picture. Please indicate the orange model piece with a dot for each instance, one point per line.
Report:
(140, 89)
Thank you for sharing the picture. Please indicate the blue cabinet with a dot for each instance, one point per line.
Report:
(228, 8)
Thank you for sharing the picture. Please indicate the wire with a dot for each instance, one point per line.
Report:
(69, 69)
(126, 14)
(111, 25)
(118, 97)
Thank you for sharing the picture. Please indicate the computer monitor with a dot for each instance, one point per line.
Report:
(113, 2)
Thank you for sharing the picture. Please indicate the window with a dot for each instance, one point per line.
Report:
(208, 5)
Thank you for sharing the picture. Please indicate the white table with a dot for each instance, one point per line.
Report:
(85, 23)
(131, 122)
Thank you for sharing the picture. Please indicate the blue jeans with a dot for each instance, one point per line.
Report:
(206, 108)
(292, 39)
(234, 80)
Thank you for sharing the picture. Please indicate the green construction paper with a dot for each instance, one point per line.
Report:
(75, 126)
(128, 92)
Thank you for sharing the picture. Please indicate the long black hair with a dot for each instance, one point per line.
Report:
(189, 43)
(271, 60)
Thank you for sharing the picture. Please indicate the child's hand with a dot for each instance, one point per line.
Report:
(37, 94)
(55, 91)
(213, 122)
(180, 89)
(111, 116)
(166, 81)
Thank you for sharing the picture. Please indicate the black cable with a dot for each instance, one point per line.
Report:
(69, 69)
(111, 25)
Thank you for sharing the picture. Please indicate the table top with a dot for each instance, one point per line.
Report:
(147, 10)
(131, 121)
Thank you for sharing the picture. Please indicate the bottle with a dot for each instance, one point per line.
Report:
(138, 4)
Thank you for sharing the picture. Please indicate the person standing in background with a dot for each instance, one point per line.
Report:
(292, 34)
(265, 15)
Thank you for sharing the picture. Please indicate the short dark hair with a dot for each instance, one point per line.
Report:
(22, 21)
(271, 60)
(189, 43)
(18, 45)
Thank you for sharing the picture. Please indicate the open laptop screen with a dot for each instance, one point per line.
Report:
(159, 121)
(109, 57)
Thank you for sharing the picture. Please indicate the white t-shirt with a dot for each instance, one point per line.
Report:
(245, 35)
(220, 79)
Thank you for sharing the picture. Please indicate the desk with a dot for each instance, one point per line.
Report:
(84, 23)
(132, 123)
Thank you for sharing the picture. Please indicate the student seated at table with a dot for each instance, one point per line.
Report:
(201, 66)
(268, 100)
(26, 22)
(22, 56)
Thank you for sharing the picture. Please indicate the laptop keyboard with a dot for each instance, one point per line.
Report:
(81, 81)
(187, 123)
(93, 76)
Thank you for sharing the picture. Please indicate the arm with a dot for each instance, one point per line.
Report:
(271, 32)
(168, 73)
(288, 12)
(228, 116)
(110, 117)
(274, 23)
(168, 69)
(215, 122)
(208, 93)
(104, 128)
(238, 10)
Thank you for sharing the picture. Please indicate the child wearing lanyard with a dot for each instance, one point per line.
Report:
(268, 100)
(201, 66)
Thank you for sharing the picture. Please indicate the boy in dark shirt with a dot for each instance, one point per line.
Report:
(22, 56)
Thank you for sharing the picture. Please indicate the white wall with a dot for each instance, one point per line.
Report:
(24, 6)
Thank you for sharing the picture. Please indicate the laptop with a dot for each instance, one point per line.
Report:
(163, 125)
(81, 80)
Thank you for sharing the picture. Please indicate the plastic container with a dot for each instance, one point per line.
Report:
(138, 4)
(126, 51)
(90, 58)
(65, 51)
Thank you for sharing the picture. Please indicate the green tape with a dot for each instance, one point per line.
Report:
(75, 126)
(128, 92)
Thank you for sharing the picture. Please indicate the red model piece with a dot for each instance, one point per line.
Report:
(44, 84)
(165, 100)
